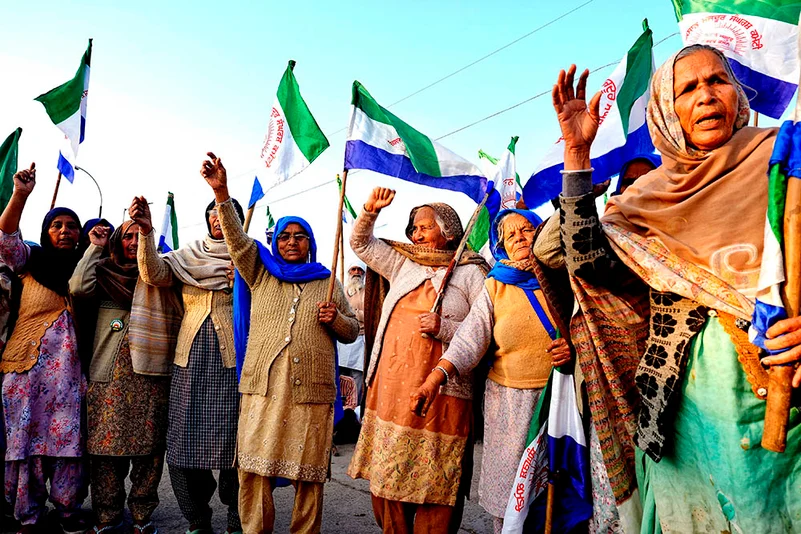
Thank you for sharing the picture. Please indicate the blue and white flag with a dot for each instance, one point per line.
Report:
(66, 107)
(381, 142)
(168, 239)
(785, 165)
(622, 134)
(760, 40)
(558, 446)
(256, 194)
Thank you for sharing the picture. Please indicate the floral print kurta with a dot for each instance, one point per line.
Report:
(42, 407)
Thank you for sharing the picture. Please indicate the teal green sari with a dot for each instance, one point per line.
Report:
(717, 477)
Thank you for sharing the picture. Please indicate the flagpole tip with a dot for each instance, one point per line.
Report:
(292, 63)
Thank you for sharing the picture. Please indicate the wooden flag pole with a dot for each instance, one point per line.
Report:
(248, 218)
(55, 192)
(337, 238)
(457, 257)
(342, 258)
(780, 377)
(549, 507)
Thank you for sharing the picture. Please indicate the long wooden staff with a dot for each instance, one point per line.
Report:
(342, 258)
(549, 507)
(55, 191)
(337, 238)
(248, 218)
(780, 387)
(457, 256)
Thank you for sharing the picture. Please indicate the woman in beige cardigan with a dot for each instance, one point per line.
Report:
(415, 465)
(288, 386)
(204, 399)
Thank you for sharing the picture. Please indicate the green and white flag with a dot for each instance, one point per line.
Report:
(168, 239)
(506, 185)
(66, 107)
(270, 220)
(8, 166)
(293, 138)
(760, 39)
(348, 213)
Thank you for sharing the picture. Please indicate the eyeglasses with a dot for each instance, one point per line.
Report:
(284, 237)
(213, 213)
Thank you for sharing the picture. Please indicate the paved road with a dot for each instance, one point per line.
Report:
(347, 505)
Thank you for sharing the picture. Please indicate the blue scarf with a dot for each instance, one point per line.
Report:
(525, 280)
(652, 158)
(293, 273)
(505, 273)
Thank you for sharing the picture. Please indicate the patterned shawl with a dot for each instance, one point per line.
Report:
(677, 231)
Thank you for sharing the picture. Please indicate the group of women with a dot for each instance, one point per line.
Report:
(649, 303)
(653, 300)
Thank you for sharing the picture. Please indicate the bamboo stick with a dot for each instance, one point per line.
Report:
(248, 217)
(337, 238)
(549, 507)
(342, 258)
(457, 256)
(780, 388)
(55, 191)
(780, 377)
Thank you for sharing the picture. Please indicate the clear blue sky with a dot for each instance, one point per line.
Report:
(171, 80)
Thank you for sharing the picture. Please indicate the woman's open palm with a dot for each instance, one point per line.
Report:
(578, 122)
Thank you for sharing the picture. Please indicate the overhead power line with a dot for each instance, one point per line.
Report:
(479, 60)
(538, 95)
(487, 56)
(474, 123)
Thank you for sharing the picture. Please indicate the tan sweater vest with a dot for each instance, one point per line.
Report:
(520, 339)
(39, 308)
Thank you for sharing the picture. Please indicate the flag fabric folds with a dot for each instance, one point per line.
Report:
(293, 139)
(66, 107)
(785, 165)
(505, 191)
(622, 134)
(168, 239)
(348, 213)
(8, 166)
(256, 194)
(557, 450)
(381, 142)
(760, 39)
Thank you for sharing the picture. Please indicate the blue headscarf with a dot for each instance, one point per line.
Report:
(652, 158)
(294, 273)
(505, 273)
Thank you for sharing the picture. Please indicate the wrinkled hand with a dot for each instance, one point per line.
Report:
(420, 400)
(99, 235)
(326, 312)
(214, 172)
(229, 272)
(579, 124)
(25, 181)
(429, 323)
(139, 212)
(786, 334)
(380, 197)
(560, 352)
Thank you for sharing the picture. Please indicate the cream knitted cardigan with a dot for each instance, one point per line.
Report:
(283, 321)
